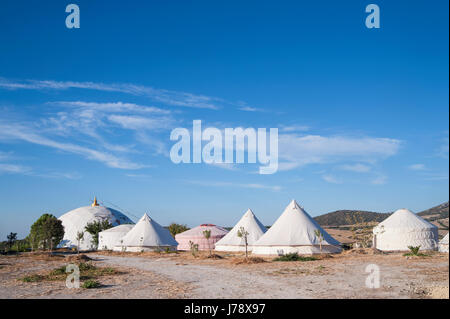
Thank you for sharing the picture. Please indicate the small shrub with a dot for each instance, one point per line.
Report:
(294, 257)
(86, 267)
(414, 251)
(58, 271)
(193, 248)
(33, 278)
(89, 284)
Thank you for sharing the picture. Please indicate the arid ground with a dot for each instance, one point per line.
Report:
(153, 275)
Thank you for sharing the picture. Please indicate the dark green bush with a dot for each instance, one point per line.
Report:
(88, 284)
(294, 257)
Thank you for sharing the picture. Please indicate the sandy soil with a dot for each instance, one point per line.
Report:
(151, 275)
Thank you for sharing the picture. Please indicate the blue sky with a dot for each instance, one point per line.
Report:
(362, 113)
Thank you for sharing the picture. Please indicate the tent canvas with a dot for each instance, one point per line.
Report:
(232, 242)
(109, 238)
(196, 236)
(294, 232)
(147, 235)
(443, 244)
(403, 229)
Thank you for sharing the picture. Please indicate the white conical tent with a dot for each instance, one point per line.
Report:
(294, 232)
(403, 229)
(109, 238)
(232, 242)
(443, 244)
(76, 220)
(147, 235)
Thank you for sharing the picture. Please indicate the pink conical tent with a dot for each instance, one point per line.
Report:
(196, 236)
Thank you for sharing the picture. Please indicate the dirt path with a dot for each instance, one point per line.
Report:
(211, 281)
(334, 278)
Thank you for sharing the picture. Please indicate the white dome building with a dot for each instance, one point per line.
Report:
(295, 232)
(403, 229)
(232, 242)
(109, 238)
(76, 220)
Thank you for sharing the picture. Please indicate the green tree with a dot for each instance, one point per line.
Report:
(12, 237)
(242, 233)
(175, 228)
(207, 235)
(46, 232)
(79, 238)
(96, 227)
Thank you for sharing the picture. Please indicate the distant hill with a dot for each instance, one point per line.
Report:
(350, 217)
(436, 212)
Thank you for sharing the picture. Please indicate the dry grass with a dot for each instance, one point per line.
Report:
(88, 271)
(362, 251)
(77, 258)
(43, 256)
(300, 271)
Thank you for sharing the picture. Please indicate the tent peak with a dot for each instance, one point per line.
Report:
(293, 204)
(249, 212)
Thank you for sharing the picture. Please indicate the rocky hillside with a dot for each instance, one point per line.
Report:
(436, 212)
(350, 217)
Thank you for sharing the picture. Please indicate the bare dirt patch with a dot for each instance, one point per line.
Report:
(120, 283)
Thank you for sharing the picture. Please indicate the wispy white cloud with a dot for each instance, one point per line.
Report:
(4, 156)
(237, 185)
(139, 176)
(27, 134)
(140, 123)
(58, 175)
(13, 168)
(250, 109)
(444, 148)
(174, 98)
(436, 177)
(331, 179)
(9, 168)
(379, 180)
(296, 150)
(112, 107)
(358, 168)
(417, 167)
(226, 166)
(97, 120)
(293, 128)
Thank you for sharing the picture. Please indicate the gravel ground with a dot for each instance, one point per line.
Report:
(340, 277)
(182, 276)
